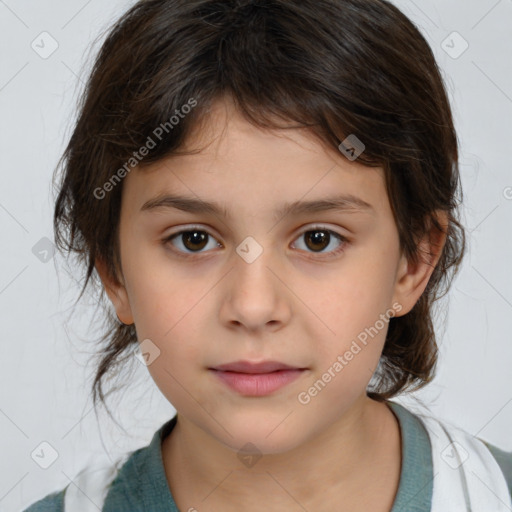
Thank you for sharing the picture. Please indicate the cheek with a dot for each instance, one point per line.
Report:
(169, 312)
(352, 299)
(354, 311)
(173, 325)
(160, 303)
(178, 353)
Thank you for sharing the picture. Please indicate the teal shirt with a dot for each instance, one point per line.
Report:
(141, 484)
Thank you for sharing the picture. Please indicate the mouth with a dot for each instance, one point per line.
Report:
(254, 368)
(256, 379)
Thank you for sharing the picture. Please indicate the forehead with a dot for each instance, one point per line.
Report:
(238, 164)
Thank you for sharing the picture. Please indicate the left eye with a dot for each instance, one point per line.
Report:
(193, 241)
(319, 238)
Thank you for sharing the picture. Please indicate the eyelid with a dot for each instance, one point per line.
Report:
(344, 240)
(193, 227)
(303, 229)
(184, 229)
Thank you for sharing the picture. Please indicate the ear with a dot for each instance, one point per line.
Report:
(412, 278)
(116, 292)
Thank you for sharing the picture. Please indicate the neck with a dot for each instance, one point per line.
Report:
(362, 446)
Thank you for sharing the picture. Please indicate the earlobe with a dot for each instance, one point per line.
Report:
(413, 277)
(116, 292)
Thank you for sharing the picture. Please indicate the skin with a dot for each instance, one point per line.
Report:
(291, 304)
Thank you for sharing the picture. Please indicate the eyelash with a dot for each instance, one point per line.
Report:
(192, 255)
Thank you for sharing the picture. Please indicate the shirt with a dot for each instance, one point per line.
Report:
(141, 484)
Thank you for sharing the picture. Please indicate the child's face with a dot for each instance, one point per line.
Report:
(298, 302)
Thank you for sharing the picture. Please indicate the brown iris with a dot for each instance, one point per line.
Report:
(194, 240)
(317, 239)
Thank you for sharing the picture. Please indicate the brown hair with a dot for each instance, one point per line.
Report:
(337, 67)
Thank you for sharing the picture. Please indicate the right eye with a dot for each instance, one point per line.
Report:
(189, 241)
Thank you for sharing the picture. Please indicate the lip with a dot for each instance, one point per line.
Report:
(256, 379)
(250, 367)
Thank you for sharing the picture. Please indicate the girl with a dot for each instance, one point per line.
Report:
(267, 191)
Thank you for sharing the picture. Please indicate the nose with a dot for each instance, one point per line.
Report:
(255, 295)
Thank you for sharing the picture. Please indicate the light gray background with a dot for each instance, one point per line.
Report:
(45, 367)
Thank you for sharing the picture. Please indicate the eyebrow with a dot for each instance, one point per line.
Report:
(341, 203)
